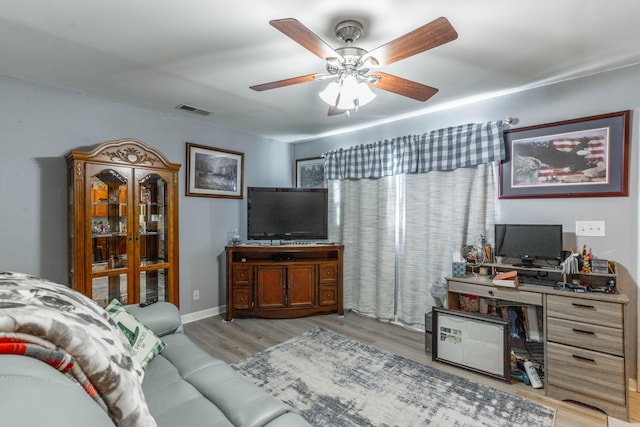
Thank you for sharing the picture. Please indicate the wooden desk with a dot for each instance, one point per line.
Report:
(585, 356)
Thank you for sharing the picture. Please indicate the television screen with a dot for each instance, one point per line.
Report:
(287, 213)
(529, 242)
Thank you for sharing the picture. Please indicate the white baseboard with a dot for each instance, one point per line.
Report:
(203, 314)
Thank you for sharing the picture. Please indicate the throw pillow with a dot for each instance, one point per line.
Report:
(145, 345)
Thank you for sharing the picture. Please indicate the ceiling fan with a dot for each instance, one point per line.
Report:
(351, 69)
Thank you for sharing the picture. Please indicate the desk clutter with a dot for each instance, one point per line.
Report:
(508, 279)
(525, 320)
(585, 262)
(580, 283)
(511, 276)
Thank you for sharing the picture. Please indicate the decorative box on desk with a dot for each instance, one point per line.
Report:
(459, 269)
(283, 281)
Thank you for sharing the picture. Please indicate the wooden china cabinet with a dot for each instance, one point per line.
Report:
(123, 223)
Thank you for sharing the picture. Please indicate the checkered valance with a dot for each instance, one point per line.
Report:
(439, 150)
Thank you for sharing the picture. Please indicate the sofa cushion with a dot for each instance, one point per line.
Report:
(174, 402)
(145, 345)
(241, 401)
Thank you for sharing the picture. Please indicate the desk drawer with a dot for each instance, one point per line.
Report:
(586, 335)
(494, 292)
(585, 310)
(598, 375)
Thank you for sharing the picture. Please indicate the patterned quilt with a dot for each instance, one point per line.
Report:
(70, 332)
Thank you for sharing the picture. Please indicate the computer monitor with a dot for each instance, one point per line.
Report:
(529, 243)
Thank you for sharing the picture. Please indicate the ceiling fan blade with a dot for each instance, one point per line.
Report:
(285, 82)
(293, 29)
(403, 87)
(433, 34)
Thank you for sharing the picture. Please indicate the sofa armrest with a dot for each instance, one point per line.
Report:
(162, 318)
(33, 394)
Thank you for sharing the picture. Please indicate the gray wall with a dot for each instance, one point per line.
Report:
(40, 125)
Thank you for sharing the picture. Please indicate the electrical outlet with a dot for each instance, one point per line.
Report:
(196, 295)
(590, 228)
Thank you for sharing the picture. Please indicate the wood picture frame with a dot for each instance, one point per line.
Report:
(472, 341)
(214, 172)
(310, 173)
(585, 157)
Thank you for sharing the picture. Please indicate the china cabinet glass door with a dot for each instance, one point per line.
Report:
(109, 234)
(153, 191)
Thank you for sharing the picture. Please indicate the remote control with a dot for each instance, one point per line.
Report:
(148, 302)
(534, 378)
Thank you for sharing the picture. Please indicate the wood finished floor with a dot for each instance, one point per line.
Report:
(233, 341)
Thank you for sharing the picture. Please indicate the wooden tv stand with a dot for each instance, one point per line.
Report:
(283, 281)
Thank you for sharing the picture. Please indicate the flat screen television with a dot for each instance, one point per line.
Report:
(278, 213)
(529, 242)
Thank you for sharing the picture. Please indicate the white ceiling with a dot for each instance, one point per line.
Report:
(206, 53)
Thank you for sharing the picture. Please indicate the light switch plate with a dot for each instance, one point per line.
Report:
(590, 228)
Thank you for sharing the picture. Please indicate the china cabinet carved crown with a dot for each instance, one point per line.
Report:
(123, 223)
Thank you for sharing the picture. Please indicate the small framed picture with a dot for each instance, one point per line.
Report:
(214, 172)
(310, 173)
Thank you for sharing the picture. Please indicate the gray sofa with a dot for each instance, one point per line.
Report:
(183, 387)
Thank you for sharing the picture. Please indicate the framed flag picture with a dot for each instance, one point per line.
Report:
(586, 157)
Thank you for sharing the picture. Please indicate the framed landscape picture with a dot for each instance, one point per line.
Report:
(586, 157)
(214, 172)
(310, 173)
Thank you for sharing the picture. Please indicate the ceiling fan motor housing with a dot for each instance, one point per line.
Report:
(350, 59)
(349, 31)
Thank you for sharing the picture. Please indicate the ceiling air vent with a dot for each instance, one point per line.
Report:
(194, 110)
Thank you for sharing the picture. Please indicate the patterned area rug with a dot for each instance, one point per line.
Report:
(332, 380)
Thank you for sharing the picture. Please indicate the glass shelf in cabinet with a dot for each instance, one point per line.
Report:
(152, 261)
(96, 236)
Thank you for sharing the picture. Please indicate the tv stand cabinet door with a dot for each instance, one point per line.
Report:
(301, 286)
(271, 287)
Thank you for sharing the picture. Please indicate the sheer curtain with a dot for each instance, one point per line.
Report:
(368, 233)
(402, 207)
(443, 212)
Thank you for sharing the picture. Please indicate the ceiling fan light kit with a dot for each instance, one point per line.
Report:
(348, 94)
(348, 67)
